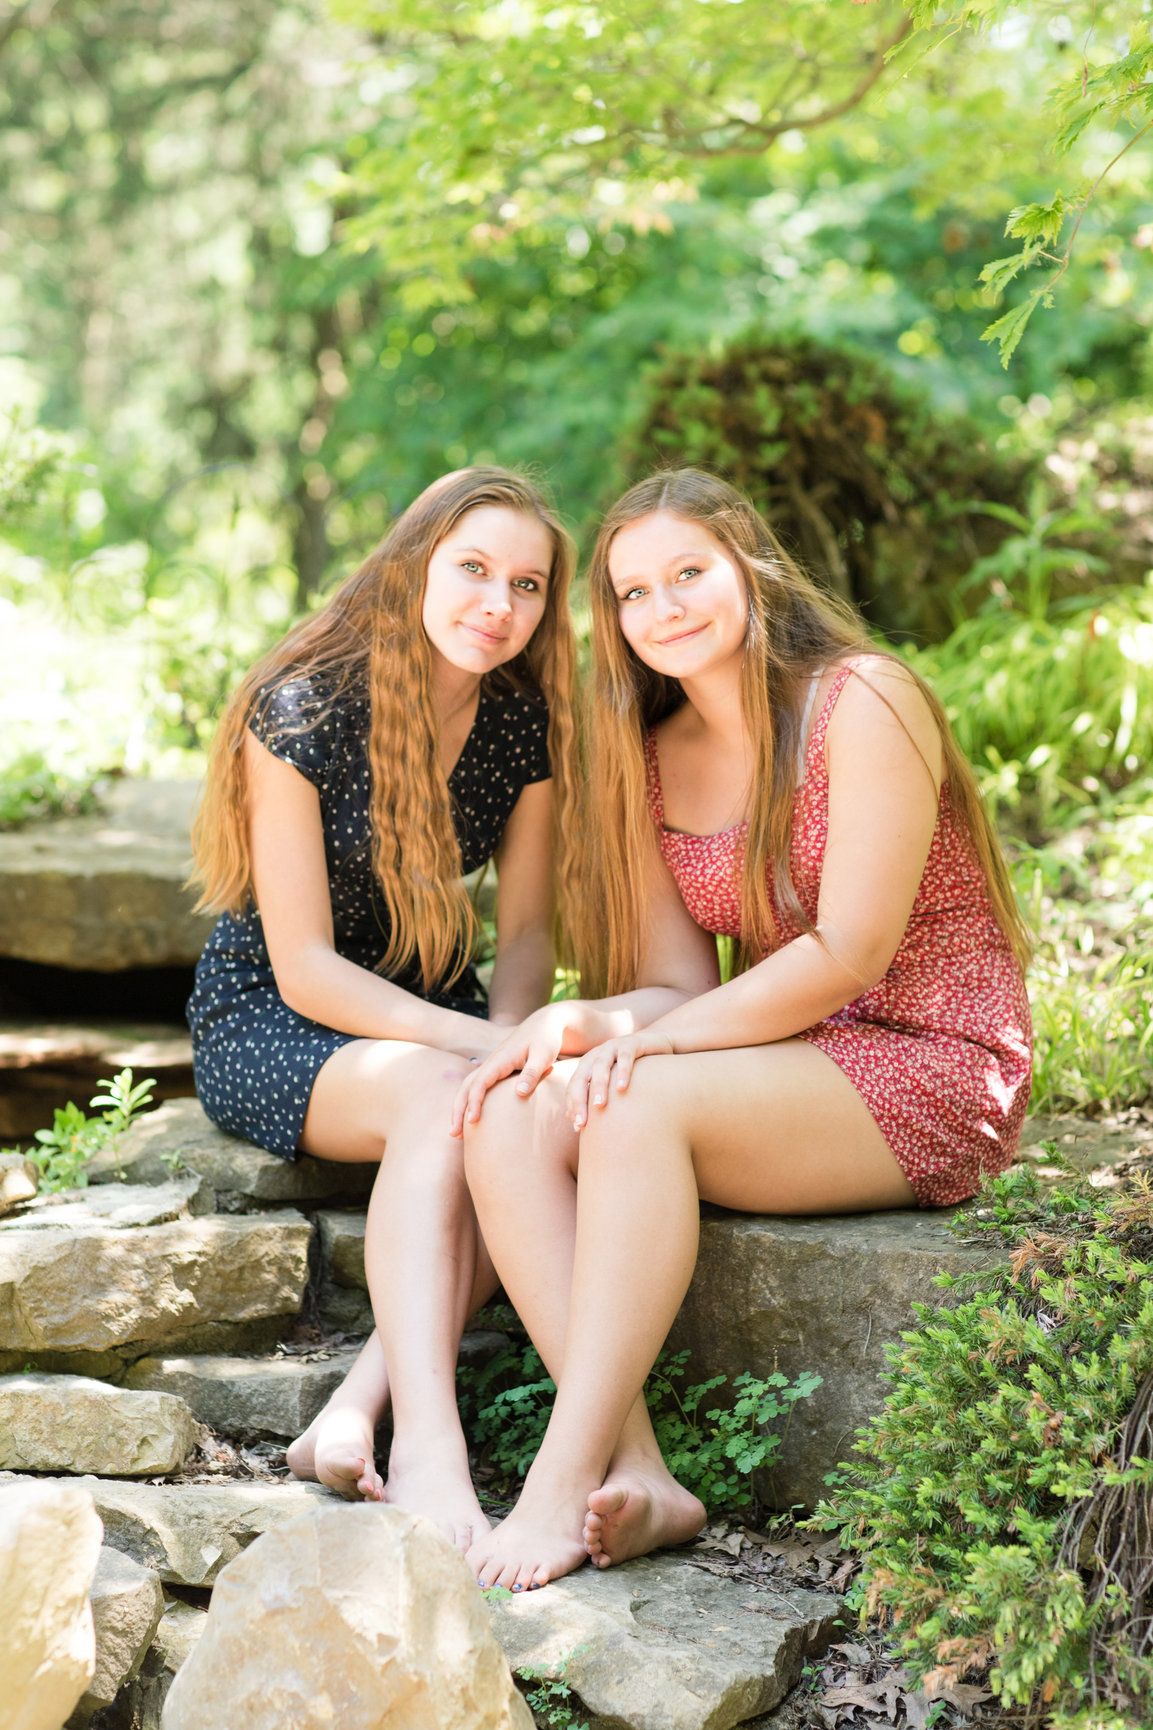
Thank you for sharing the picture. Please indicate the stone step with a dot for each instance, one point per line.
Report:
(824, 1295)
(75, 1424)
(187, 1532)
(242, 1175)
(140, 1703)
(43, 1065)
(127, 1604)
(105, 892)
(661, 1644)
(247, 1399)
(86, 1294)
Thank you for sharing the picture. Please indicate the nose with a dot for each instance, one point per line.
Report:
(667, 603)
(497, 601)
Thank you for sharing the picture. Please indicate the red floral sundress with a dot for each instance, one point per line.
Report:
(941, 1049)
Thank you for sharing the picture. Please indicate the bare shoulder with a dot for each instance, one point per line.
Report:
(880, 706)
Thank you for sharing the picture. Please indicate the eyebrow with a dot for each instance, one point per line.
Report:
(528, 570)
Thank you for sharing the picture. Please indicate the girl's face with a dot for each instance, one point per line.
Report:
(486, 587)
(681, 597)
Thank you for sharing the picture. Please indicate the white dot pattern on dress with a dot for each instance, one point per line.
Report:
(255, 1059)
(940, 1050)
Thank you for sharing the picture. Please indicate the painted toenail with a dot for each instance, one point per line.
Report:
(518, 1588)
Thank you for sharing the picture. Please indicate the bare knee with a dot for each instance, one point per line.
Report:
(514, 1133)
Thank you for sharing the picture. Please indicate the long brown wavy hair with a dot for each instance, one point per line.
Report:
(794, 629)
(369, 639)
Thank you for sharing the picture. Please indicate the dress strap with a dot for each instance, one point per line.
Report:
(803, 735)
(653, 779)
(816, 750)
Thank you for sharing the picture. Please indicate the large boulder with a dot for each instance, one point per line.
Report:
(74, 1424)
(93, 1288)
(180, 1134)
(105, 892)
(363, 1617)
(127, 1603)
(662, 1644)
(823, 1295)
(49, 1544)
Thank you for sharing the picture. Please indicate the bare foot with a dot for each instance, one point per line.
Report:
(337, 1449)
(538, 1542)
(433, 1480)
(637, 1509)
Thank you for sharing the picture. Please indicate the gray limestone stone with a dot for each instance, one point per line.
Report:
(118, 1207)
(95, 1287)
(814, 1294)
(74, 1424)
(127, 1602)
(187, 1532)
(239, 1172)
(660, 1644)
(342, 1248)
(140, 1703)
(250, 1399)
(105, 892)
(45, 1064)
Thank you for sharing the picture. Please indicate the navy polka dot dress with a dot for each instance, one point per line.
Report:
(255, 1059)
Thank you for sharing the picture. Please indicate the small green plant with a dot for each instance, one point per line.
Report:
(715, 1453)
(549, 1698)
(1017, 1420)
(64, 1152)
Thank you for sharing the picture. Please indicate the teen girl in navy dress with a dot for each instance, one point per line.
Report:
(410, 730)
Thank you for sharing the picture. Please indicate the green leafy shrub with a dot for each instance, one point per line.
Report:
(870, 484)
(31, 789)
(506, 1405)
(1005, 1419)
(64, 1152)
(1052, 711)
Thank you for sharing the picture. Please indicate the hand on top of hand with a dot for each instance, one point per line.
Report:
(532, 1048)
(608, 1068)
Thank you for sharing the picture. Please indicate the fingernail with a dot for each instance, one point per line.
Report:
(599, 1100)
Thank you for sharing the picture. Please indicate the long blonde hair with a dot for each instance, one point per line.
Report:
(369, 639)
(794, 629)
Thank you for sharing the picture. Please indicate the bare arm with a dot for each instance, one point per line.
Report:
(291, 884)
(522, 975)
(884, 782)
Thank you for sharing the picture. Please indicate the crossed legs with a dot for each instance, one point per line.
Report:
(596, 1240)
(427, 1271)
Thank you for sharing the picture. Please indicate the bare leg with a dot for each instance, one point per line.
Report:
(427, 1269)
(522, 1167)
(773, 1129)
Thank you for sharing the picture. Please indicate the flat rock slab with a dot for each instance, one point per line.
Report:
(660, 1644)
(188, 1532)
(96, 1287)
(239, 1172)
(119, 1208)
(249, 1399)
(814, 1294)
(105, 892)
(43, 1065)
(74, 1424)
(1087, 1142)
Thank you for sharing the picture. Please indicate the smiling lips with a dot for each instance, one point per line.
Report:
(681, 637)
(491, 639)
